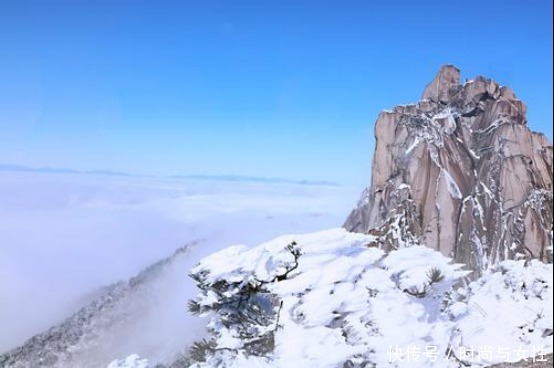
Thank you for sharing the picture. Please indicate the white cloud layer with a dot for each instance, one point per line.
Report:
(62, 237)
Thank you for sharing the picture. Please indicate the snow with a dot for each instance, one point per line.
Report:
(403, 186)
(452, 186)
(447, 116)
(431, 129)
(132, 361)
(412, 146)
(473, 154)
(509, 308)
(346, 302)
(487, 190)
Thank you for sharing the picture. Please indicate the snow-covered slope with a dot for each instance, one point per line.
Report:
(329, 299)
(120, 319)
(132, 361)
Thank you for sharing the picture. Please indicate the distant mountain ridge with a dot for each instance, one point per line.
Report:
(234, 178)
(57, 170)
(78, 340)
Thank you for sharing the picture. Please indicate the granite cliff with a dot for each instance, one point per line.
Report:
(461, 172)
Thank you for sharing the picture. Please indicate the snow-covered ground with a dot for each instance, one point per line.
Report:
(327, 299)
(64, 236)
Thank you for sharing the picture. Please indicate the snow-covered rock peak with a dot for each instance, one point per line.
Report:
(473, 170)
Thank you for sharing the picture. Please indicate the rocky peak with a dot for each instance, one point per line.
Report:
(444, 85)
(461, 172)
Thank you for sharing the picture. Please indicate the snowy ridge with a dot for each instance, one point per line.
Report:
(328, 300)
(79, 341)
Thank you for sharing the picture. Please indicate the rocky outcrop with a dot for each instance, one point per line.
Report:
(461, 172)
(444, 86)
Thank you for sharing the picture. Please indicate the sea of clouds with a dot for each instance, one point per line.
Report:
(65, 236)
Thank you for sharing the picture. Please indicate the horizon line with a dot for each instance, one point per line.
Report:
(214, 177)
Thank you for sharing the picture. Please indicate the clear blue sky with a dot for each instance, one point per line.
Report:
(262, 88)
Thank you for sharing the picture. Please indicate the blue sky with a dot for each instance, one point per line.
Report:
(260, 88)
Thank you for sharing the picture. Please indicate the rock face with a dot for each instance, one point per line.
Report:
(444, 85)
(461, 172)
